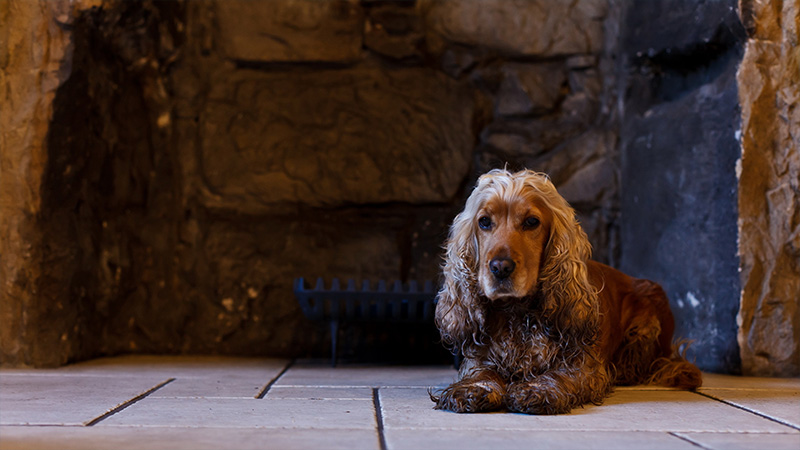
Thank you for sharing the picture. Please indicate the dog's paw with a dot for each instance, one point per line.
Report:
(470, 397)
(532, 398)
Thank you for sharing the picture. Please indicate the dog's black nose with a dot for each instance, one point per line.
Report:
(502, 267)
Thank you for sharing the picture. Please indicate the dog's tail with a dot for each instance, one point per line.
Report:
(675, 371)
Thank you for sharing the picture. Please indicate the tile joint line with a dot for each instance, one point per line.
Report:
(379, 418)
(127, 403)
(689, 440)
(268, 386)
(751, 411)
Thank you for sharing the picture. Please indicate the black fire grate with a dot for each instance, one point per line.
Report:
(402, 303)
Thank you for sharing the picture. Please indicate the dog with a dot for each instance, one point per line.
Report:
(542, 328)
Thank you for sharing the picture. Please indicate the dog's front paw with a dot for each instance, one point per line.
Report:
(468, 396)
(534, 398)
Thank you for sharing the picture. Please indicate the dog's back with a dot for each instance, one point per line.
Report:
(637, 331)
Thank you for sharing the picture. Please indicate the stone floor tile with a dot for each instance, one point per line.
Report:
(407, 438)
(624, 411)
(310, 374)
(195, 376)
(717, 381)
(316, 393)
(782, 405)
(66, 400)
(175, 366)
(246, 413)
(221, 385)
(138, 438)
(744, 441)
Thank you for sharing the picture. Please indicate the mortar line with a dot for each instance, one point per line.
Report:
(127, 403)
(376, 401)
(688, 439)
(268, 386)
(751, 411)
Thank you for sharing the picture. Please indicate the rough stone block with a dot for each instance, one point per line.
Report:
(335, 137)
(529, 28)
(290, 31)
(591, 184)
(529, 89)
(394, 31)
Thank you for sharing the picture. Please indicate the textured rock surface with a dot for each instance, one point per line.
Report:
(769, 190)
(678, 157)
(290, 31)
(528, 89)
(394, 30)
(517, 27)
(335, 137)
(35, 57)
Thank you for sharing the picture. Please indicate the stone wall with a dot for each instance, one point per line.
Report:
(346, 153)
(204, 154)
(769, 189)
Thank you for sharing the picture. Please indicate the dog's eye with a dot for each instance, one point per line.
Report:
(530, 223)
(485, 223)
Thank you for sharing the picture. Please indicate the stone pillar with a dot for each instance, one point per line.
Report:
(769, 189)
(35, 56)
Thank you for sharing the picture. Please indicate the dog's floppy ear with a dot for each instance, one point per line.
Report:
(570, 301)
(459, 315)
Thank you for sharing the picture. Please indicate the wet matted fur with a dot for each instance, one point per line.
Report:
(543, 328)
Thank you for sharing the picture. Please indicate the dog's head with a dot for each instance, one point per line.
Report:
(512, 229)
(522, 230)
(516, 236)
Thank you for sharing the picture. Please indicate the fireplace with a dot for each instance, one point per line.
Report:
(197, 157)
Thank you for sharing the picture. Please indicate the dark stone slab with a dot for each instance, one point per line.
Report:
(679, 151)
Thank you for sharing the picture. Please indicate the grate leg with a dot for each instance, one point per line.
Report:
(334, 338)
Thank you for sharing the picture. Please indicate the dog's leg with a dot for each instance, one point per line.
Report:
(478, 389)
(639, 349)
(648, 355)
(558, 391)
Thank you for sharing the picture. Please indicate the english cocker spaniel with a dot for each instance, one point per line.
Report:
(542, 328)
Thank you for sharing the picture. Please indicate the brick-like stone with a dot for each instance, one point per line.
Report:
(519, 27)
(529, 89)
(290, 31)
(395, 31)
(335, 137)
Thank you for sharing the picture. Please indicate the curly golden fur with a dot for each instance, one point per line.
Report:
(544, 329)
